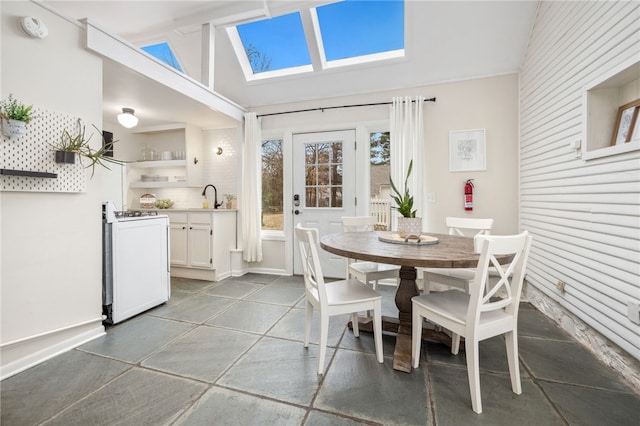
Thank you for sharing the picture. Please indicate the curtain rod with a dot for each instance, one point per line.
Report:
(335, 107)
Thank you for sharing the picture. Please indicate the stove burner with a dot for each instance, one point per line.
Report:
(135, 213)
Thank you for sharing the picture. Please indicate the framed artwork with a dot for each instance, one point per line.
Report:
(467, 150)
(627, 123)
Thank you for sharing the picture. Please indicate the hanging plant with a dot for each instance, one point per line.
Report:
(70, 145)
(15, 116)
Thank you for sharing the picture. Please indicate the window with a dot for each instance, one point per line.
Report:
(379, 171)
(163, 52)
(346, 32)
(360, 31)
(272, 185)
(323, 175)
(275, 44)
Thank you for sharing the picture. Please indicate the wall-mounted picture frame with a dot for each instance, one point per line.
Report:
(627, 126)
(467, 150)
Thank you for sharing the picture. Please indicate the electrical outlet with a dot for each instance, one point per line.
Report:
(633, 311)
(560, 286)
(431, 197)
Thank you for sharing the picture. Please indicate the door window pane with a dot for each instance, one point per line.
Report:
(323, 175)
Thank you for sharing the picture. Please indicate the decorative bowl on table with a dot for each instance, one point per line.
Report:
(164, 203)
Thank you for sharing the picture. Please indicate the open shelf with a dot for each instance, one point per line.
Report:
(30, 173)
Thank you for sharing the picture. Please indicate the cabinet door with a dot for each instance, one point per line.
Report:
(178, 244)
(200, 246)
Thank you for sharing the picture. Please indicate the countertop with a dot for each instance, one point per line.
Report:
(193, 209)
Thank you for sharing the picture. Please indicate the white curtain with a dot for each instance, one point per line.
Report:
(251, 199)
(407, 143)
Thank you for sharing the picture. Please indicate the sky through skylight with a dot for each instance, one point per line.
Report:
(349, 29)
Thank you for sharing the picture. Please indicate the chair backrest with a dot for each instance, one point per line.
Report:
(358, 223)
(486, 299)
(313, 277)
(480, 226)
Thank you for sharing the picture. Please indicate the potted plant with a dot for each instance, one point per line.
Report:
(15, 116)
(70, 145)
(408, 224)
(230, 200)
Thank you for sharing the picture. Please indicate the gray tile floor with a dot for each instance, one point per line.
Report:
(231, 353)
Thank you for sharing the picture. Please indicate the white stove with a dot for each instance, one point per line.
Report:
(135, 262)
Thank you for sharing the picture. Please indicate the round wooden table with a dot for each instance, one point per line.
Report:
(449, 252)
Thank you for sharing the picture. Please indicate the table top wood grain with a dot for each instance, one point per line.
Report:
(451, 251)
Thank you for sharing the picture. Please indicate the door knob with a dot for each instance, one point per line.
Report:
(296, 212)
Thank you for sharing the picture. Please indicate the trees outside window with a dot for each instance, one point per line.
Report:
(272, 185)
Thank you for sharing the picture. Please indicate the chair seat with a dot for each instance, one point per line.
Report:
(453, 304)
(349, 291)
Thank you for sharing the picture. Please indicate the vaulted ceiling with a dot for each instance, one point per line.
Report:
(444, 41)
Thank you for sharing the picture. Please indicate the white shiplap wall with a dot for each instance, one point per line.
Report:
(584, 215)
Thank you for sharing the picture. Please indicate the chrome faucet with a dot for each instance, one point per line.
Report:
(215, 196)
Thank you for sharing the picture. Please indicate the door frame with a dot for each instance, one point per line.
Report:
(363, 129)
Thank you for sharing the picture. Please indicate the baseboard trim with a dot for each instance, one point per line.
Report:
(48, 352)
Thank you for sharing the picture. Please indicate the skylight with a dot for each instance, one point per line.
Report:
(347, 32)
(352, 29)
(163, 52)
(275, 44)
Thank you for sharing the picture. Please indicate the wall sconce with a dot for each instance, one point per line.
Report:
(219, 151)
(127, 119)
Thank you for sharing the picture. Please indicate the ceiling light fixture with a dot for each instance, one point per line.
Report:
(127, 119)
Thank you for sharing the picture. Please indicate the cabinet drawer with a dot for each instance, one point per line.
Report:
(177, 217)
(200, 218)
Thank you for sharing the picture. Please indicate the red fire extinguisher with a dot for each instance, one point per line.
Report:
(468, 195)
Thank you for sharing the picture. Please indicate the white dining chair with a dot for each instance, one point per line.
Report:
(456, 277)
(367, 272)
(483, 313)
(348, 296)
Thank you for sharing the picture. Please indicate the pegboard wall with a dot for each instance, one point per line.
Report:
(32, 152)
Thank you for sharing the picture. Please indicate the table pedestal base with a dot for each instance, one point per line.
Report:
(402, 325)
(402, 353)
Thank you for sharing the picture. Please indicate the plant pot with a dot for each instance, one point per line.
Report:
(409, 226)
(65, 157)
(13, 128)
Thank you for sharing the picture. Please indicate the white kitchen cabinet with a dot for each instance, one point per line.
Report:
(182, 138)
(201, 243)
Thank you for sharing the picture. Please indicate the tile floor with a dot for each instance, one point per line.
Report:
(231, 353)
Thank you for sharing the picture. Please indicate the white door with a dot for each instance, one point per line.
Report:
(324, 189)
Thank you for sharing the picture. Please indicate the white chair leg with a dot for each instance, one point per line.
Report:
(416, 337)
(455, 343)
(511, 341)
(377, 331)
(355, 325)
(375, 284)
(324, 334)
(473, 372)
(307, 324)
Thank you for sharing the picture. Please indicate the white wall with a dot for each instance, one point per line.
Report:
(50, 294)
(584, 214)
(489, 103)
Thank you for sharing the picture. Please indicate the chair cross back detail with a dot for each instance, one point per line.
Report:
(457, 277)
(483, 313)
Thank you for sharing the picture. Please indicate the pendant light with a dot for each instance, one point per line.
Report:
(127, 119)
